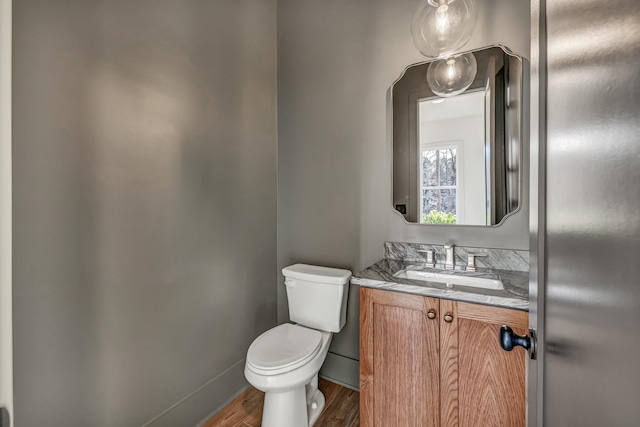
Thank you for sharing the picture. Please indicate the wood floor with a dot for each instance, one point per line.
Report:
(342, 408)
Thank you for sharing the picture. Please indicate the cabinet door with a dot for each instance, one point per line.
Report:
(399, 363)
(490, 382)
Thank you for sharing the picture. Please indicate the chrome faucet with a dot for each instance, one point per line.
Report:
(449, 262)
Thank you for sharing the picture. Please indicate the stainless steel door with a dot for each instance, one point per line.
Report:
(592, 256)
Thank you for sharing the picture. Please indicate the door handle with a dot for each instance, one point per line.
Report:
(509, 340)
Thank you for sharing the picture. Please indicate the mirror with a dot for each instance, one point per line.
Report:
(458, 160)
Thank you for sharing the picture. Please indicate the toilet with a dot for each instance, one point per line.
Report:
(284, 361)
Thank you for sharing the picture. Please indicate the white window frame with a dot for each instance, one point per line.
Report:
(459, 187)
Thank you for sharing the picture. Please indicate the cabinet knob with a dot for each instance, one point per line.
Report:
(431, 314)
(448, 317)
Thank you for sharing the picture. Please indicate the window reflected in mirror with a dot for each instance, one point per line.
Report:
(451, 134)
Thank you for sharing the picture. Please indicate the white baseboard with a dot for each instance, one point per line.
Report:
(341, 370)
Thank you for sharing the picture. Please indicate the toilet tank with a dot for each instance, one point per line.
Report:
(317, 296)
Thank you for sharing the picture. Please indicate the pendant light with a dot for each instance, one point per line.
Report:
(453, 75)
(441, 27)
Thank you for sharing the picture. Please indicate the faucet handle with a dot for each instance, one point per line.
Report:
(471, 259)
(430, 260)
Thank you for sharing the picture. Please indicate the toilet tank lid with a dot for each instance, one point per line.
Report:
(316, 273)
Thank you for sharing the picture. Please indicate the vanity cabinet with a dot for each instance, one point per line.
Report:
(431, 362)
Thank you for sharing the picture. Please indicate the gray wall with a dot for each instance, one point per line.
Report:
(6, 341)
(336, 63)
(144, 204)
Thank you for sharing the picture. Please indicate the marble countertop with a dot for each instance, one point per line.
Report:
(381, 276)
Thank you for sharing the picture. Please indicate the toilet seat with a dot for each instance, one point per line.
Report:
(283, 349)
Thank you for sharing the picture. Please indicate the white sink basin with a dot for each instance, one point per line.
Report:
(451, 279)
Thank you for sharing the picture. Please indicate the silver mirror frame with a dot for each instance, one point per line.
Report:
(523, 116)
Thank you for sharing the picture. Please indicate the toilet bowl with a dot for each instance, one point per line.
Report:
(284, 361)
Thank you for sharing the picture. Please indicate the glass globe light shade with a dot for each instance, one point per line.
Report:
(441, 27)
(452, 76)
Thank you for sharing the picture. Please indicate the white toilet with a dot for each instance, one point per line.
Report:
(284, 361)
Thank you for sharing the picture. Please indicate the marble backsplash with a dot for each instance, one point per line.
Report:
(500, 259)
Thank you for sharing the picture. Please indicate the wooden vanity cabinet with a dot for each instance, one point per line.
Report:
(431, 362)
